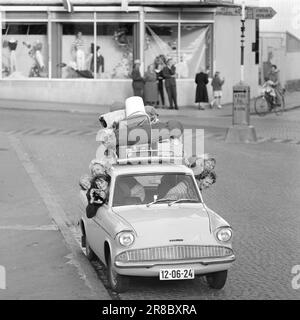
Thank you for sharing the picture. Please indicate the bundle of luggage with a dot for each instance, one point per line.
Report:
(134, 127)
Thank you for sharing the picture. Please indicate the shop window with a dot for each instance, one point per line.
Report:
(114, 51)
(24, 50)
(76, 39)
(161, 43)
(195, 50)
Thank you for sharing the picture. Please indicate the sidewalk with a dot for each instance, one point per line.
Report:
(292, 102)
(40, 261)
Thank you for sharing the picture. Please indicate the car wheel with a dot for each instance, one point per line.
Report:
(117, 282)
(217, 280)
(90, 254)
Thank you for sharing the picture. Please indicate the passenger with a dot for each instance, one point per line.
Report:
(96, 167)
(206, 179)
(98, 194)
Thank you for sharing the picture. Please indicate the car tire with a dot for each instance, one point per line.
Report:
(90, 254)
(217, 280)
(117, 282)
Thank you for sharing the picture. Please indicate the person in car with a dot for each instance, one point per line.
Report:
(97, 195)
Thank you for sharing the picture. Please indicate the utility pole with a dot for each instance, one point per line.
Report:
(241, 131)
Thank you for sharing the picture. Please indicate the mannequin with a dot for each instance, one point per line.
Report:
(12, 45)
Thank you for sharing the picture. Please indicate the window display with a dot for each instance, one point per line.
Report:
(193, 50)
(24, 50)
(115, 41)
(114, 50)
(75, 57)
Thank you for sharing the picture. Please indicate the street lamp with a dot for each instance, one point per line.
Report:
(241, 131)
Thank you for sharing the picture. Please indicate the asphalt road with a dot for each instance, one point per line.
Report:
(257, 192)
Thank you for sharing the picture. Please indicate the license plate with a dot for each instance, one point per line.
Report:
(176, 274)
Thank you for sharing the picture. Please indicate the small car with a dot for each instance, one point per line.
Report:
(148, 230)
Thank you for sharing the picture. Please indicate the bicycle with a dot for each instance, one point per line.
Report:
(265, 103)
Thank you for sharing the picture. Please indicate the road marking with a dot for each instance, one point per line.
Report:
(51, 227)
(56, 212)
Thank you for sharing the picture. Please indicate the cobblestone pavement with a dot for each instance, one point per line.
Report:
(257, 191)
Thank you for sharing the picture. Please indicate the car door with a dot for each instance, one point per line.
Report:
(97, 231)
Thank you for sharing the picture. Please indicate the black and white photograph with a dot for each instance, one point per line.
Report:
(149, 151)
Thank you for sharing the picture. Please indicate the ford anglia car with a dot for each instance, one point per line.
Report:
(148, 230)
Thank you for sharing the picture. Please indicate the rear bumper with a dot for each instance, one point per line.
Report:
(201, 266)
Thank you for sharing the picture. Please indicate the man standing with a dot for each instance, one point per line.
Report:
(137, 80)
(169, 73)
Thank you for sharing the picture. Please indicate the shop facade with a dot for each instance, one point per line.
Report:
(41, 61)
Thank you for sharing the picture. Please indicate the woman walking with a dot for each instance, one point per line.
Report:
(217, 84)
(151, 93)
(201, 80)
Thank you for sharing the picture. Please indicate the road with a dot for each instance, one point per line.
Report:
(257, 191)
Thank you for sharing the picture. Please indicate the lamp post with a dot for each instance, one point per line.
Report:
(241, 131)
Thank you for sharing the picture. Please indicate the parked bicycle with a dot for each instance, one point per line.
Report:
(269, 101)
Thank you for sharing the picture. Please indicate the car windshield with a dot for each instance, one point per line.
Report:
(151, 189)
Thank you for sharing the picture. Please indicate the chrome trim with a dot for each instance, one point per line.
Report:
(204, 262)
(173, 253)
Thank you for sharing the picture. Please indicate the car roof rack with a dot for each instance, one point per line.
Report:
(141, 155)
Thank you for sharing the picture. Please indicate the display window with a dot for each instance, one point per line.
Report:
(24, 50)
(75, 45)
(111, 58)
(195, 49)
(114, 52)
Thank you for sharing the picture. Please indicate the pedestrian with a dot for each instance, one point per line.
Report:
(169, 74)
(160, 83)
(137, 80)
(217, 84)
(151, 93)
(201, 80)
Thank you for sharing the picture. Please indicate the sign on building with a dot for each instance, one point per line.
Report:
(251, 12)
(260, 13)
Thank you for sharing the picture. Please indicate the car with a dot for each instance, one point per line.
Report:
(144, 230)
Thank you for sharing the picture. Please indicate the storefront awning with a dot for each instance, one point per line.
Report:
(117, 2)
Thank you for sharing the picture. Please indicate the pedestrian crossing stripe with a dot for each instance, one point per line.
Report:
(72, 132)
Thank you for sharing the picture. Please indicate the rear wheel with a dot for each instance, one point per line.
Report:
(217, 280)
(117, 282)
(261, 106)
(281, 106)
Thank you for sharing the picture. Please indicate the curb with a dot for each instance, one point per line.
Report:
(190, 112)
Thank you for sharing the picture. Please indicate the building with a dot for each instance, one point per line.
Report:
(283, 50)
(42, 59)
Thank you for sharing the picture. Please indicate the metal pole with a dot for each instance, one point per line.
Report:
(95, 46)
(243, 42)
(142, 38)
(49, 46)
(179, 39)
(1, 41)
